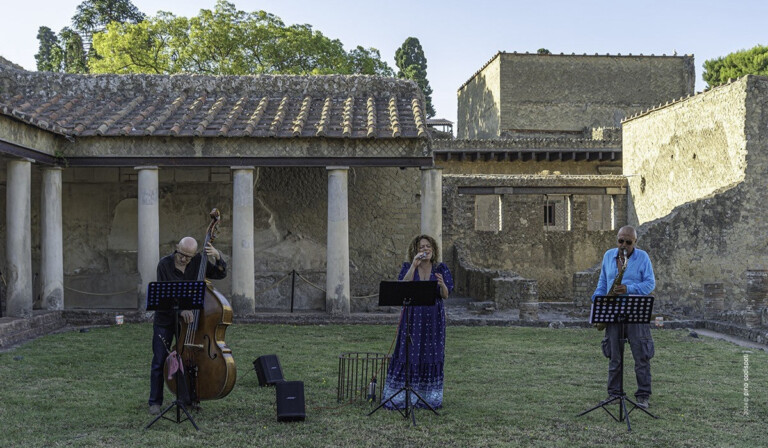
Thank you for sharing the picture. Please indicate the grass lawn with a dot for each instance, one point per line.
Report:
(504, 386)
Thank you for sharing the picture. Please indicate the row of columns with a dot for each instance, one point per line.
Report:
(19, 295)
(18, 252)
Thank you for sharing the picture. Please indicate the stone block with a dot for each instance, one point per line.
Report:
(106, 175)
(486, 307)
(83, 174)
(166, 175)
(529, 311)
(511, 292)
(192, 175)
(221, 177)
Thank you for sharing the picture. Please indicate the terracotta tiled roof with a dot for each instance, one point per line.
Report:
(209, 106)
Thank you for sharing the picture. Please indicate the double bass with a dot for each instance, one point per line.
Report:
(209, 368)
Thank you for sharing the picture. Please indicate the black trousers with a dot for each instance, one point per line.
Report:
(641, 344)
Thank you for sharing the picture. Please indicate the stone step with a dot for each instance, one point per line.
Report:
(14, 330)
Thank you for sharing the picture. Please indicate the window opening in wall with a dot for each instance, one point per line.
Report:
(557, 212)
(488, 213)
(601, 212)
(549, 214)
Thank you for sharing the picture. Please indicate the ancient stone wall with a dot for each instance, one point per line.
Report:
(685, 151)
(524, 245)
(479, 99)
(100, 229)
(571, 93)
(714, 148)
(561, 92)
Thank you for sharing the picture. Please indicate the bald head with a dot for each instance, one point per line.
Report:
(187, 246)
(628, 230)
(626, 239)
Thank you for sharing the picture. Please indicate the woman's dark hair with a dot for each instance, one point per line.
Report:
(413, 248)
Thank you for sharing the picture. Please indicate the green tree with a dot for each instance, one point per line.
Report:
(543, 51)
(94, 15)
(144, 47)
(367, 61)
(412, 64)
(72, 49)
(226, 41)
(49, 55)
(745, 62)
(73, 54)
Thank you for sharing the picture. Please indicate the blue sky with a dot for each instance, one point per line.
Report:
(458, 37)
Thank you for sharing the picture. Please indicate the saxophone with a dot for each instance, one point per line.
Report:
(616, 282)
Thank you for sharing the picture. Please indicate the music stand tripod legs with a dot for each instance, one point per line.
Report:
(622, 396)
(407, 388)
(181, 383)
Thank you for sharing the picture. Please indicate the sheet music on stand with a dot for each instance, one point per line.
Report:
(163, 295)
(632, 309)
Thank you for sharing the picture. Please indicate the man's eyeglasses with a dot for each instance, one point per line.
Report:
(628, 242)
(183, 255)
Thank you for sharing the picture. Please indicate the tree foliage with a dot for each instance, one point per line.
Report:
(226, 41)
(412, 64)
(71, 50)
(222, 41)
(73, 54)
(49, 54)
(94, 16)
(745, 62)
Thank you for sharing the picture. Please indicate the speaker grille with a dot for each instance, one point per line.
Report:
(268, 370)
(290, 401)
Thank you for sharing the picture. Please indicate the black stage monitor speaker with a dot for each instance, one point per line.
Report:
(268, 370)
(290, 401)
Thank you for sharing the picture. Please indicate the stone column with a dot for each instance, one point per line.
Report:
(337, 255)
(18, 251)
(51, 242)
(149, 230)
(432, 205)
(243, 289)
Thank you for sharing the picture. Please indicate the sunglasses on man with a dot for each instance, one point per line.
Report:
(628, 242)
(183, 255)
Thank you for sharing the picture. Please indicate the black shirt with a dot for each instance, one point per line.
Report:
(167, 272)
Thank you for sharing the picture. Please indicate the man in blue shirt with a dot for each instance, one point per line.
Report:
(638, 279)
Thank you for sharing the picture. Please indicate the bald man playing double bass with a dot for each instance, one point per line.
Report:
(637, 279)
(182, 265)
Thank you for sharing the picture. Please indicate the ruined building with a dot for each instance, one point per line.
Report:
(533, 184)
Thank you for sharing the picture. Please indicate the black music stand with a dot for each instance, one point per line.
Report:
(407, 294)
(621, 310)
(178, 297)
